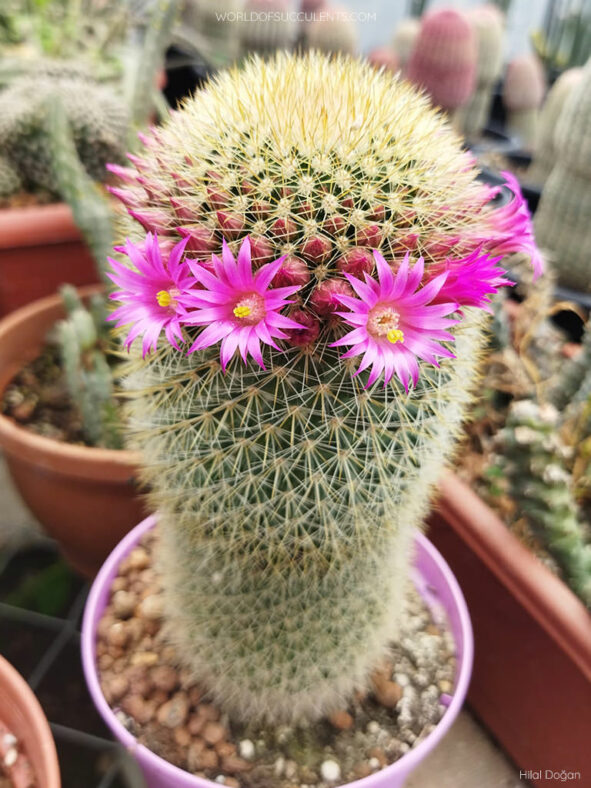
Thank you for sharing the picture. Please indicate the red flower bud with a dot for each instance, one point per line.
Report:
(216, 197)
(261, 249)
(202, 239)
(293, 271)
(303, 336)
(152, 219)
(284, 229)
(334, 225)
(324, 299)
(370, 236)
(318, 249)
(231, 224)
(261, 209)
(356, 261)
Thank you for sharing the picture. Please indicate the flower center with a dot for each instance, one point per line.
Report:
(383, 321)
(167, 298)
(250, 309)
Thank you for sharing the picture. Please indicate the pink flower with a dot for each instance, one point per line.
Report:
(394, 322)
(511, 228)
(470, 280)
(150, 294)
(237, 307)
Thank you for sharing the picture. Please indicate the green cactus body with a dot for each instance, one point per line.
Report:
(288, 498)
(575, 378)
(545, 152)
(523, 93)
(97, 119)
(534, 460)
(562, 221)
(488, 27)
(88, 376)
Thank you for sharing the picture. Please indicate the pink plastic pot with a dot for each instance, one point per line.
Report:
(434, 581)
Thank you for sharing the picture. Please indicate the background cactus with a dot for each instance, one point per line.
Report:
(384, 57)
(562, 221)
(443, 60)
(98, 119)
(83, 339)
(534, 460)
(270, 32)
(203, 31)
(488, 28)
(404, 39)
(545, 153)
(333, 34)
(287, 498)
(523, 94)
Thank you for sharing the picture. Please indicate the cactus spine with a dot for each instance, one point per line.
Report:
(287, 498)
(534, 462)
(489, 31)
(523, 93)
(562, 221)
(443, 60)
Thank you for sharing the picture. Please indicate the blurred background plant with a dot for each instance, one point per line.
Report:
(565, 39)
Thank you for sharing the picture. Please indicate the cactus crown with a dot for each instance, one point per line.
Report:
(287, 496)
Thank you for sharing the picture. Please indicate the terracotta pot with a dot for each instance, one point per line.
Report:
(85, 498)
(531, 684)
(21, 713)
(40, 249)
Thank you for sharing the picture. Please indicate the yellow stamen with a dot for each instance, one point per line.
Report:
(164, 298)
(395, 335)
(242, 311)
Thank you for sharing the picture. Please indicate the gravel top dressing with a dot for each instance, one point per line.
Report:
(171, 715)
(15, 768)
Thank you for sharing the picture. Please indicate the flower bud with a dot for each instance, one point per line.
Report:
(356, 261)
(303, 336)
(231, 224)
(293, 271)
(261, 249)
(324, 299)
(202, 239)
(369, 236)
(284, 229)
(335, 225)
(318, 249)
(152, 219)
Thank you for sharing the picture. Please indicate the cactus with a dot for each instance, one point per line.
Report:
(489, 31)
(10, 183)
(98, 119)
(384, 57)
(523, 93)
(89, 379)
(288, 496)
(534, 461)
(331, 32)
(202, 29)
(573, 383)
(443, 60)
(545, 152)
(269, 29)
(563, 218)
(404, 40)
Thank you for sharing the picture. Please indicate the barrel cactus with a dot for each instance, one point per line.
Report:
(523, 94)
(443, 60)
(330, 232)
(488, 28)
(563, 223)
(545, 152)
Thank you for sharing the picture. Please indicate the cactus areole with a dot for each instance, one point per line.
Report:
(293, 415)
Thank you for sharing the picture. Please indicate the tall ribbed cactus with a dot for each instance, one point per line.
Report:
(331, 32)
(488, 28)
(523, 94)
(269, 27)
(404, 39)
(545, 152)
(443, 60)
(288, 495)
(563, 218)
(210, 28)
(534, 461)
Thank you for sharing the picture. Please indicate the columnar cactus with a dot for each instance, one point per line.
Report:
(288, 488)
(443, 60)
(404, 39)
(331, 31)
(89, 378)
(268, 27)
(488, 28)
(575, 379)
(563, 218)
(384, 57)
(523, 94)
(210, 28)
(534, 461)
(98, 120)
(545, 152)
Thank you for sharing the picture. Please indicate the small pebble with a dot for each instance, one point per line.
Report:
(174, 713)
(123, 603)
(330, 771)
(214, 732)
(152, 607)
(246, 749)
(374, 764)
(341, 720)
(10, 757)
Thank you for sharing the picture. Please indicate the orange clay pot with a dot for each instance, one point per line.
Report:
(531, 683)
(21, 713)
(85, 498)
(40, 249)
